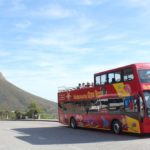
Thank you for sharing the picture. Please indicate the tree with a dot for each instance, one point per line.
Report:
(18, 114)
(4, 114)
(33, 110)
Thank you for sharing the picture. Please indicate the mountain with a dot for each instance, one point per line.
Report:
(13, 98)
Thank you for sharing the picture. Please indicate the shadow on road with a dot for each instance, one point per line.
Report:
(65, 135)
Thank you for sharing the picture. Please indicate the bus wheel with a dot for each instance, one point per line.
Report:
(73, 123)
(116, 127)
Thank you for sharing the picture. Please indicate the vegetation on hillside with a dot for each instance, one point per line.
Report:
(33, 111)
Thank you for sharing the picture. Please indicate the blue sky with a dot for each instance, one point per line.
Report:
(46, 44)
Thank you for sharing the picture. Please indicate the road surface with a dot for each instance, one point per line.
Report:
(40, 135)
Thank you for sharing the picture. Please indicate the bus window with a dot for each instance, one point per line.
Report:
(130, 104)
(144, 75)
(104, 103)
(118, 76)
(116, 104)
(103, 79)
(94, 106)
(78, 107)
(128, 74)
(111, 78)
(97, 80)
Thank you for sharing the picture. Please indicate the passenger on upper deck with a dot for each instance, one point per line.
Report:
(79, 86)
(92, 84)
(88, 84)
(83, 85)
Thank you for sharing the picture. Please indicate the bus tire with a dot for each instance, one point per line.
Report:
(116, 127)
(73, 123)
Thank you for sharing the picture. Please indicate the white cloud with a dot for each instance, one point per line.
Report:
(44, 41)
(67, 44)
(142, 10)
(113, 37)
(85, 24)
(54, 61)
(145, 43)
(92, 69)
(4, 53)
(18, 5)
(137, 3)
(134, 41)
(143, 52)
(93, 2)
(53, 11)
(117, 48)
(139, 42)
(23, 25)
(64, 40)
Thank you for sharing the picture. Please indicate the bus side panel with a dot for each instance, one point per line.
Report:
(95, 121)
(130, 124)
(146, 126)
(103, 121)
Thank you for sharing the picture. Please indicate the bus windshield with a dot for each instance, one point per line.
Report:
(144, 75)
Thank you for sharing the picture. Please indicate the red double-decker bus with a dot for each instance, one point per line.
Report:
(119, 100)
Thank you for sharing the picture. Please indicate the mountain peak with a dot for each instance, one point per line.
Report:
(2, 76)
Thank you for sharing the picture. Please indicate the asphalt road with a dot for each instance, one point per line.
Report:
(38, 135)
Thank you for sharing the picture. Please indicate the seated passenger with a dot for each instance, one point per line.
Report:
(88, 84)
(79, 86)
(92, 84)
(83, 85)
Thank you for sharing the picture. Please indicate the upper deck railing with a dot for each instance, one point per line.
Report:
(64, 89)
(80, 86)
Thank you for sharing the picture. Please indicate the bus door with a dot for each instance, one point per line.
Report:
(133, 113)
(145, 112)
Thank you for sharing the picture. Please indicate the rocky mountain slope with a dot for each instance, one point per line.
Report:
(13, 98)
